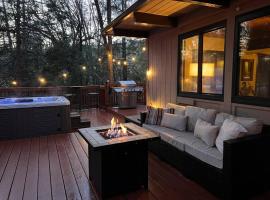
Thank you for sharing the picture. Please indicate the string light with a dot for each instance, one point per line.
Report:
(113, 60)
(99, 59)
(14, 83)
(133, 59)
(125, 63)
(144, 49)
(119, 62)
(83, 68)
(64, 75)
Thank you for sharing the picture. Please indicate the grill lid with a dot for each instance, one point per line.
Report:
(129, 83)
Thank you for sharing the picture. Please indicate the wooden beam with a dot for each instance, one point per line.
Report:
(130, 33)
(156, 20)
(137, 5)
(208, 3)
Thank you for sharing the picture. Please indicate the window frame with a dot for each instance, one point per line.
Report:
(199, 32)
(236, 98)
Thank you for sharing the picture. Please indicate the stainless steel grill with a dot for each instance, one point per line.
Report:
(125, 94)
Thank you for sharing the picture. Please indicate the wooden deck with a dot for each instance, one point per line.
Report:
(56, 167)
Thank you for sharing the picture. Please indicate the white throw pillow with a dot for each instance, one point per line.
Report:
(206, 132)
(177, 122)
(229, 130)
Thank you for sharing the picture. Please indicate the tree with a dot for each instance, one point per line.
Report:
(50, 37)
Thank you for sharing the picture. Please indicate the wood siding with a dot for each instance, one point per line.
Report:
(163, 60)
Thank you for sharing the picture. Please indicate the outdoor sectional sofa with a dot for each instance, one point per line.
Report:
(242, 170)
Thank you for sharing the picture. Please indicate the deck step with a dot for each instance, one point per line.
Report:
(77, 122)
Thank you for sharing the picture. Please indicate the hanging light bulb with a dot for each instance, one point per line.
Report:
(42, 80)
(83, 68)
(65, 75)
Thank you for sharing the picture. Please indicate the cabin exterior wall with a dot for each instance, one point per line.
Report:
(163, 60)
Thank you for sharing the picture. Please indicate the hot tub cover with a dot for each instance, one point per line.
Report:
(30, 102)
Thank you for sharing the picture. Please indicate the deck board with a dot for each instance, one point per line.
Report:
(72, 190)
(79, 173)
(31, 182)
(20, 175)
(57, 183)
(44, 180)
(10, 170)
(56, 167)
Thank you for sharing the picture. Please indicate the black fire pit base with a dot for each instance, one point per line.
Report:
(119, 168)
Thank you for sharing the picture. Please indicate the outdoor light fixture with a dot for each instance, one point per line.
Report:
(42, 80)
(148, 73)
(14, 83)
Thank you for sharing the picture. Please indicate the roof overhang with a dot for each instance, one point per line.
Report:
(145, 16)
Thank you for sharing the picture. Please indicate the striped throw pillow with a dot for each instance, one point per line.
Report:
(154, 115)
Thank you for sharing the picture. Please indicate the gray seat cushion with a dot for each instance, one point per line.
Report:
(186, 141)
(200, 150)
(154, 128)
(168, 135)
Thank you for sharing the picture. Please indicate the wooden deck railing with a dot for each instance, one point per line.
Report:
(80, 96)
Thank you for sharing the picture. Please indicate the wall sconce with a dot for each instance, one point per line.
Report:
(148, 74)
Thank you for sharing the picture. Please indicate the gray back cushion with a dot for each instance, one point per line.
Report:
(253, 126)
(178, 110)
(195, 113)
(221, 117)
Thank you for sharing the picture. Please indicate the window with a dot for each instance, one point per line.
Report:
(189, 70)
(252, 59)
(201, 65)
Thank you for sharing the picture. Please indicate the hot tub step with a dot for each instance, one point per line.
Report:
(77, 122)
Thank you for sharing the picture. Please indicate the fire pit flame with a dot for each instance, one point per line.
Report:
(117, 130)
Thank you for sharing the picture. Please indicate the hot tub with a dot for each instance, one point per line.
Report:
(33, 116)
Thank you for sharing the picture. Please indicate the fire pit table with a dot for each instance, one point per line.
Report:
(118, 163)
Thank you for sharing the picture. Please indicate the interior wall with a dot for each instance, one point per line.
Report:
(163, 60)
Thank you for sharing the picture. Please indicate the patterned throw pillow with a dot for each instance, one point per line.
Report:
(154, 115)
